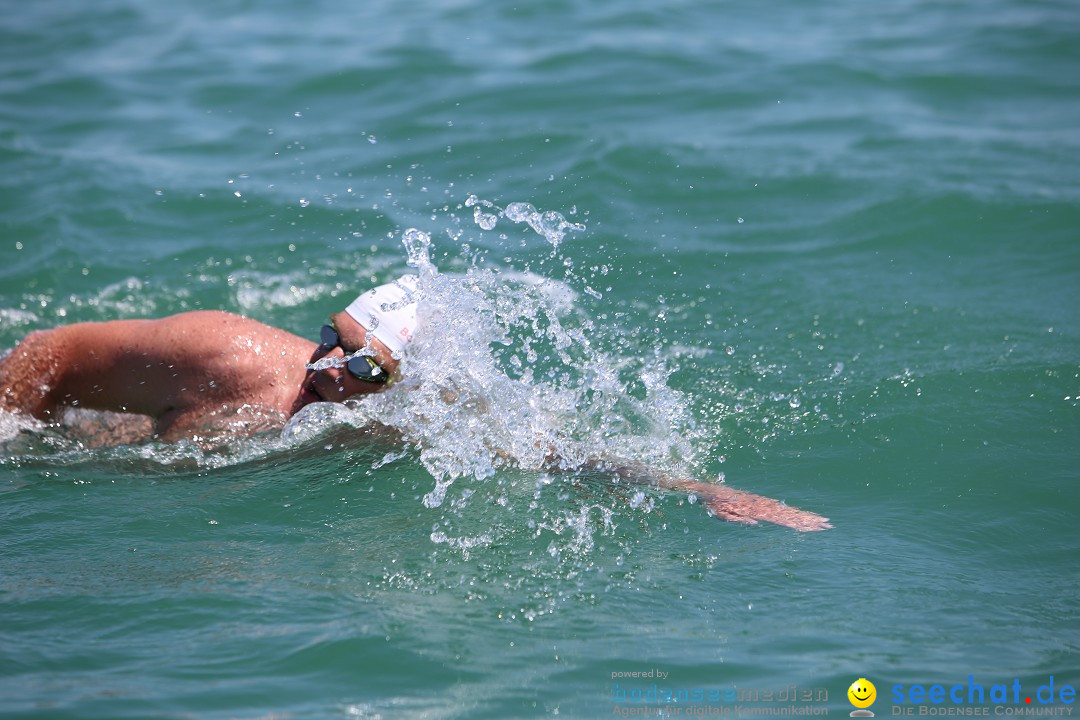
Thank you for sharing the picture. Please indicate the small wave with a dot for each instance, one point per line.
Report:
(16, 318)
(13, 425)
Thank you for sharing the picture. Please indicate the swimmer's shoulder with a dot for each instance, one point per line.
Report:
(220, 332)
(231, 361)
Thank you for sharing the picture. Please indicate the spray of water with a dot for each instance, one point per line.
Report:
(506, 370)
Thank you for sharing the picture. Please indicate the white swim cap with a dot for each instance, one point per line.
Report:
(388, 312)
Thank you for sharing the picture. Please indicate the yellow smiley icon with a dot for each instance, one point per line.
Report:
(862, 693)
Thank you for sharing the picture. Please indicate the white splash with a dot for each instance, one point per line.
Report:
(506, 369)
(552, 225)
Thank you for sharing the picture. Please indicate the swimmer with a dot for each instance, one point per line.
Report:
(205, 368)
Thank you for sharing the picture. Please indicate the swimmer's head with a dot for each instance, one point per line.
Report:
(388, 312)
(376, 325)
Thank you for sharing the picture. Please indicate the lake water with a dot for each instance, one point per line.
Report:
(827, 252)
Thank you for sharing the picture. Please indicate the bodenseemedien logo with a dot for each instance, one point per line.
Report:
(862, 694)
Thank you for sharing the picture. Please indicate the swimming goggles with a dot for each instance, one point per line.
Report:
(360, 367)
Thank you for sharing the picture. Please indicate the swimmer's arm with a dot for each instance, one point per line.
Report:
(74, 365)
(721, 501)
(159, 368)
(30, 375)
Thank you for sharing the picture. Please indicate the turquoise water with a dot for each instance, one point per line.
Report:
(829, 252)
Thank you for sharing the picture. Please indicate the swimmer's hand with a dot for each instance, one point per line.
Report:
(721, 501)
(748, 508)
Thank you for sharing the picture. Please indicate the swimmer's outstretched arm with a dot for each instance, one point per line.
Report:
(721, 501)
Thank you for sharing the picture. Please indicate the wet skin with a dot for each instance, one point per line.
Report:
(179, 370)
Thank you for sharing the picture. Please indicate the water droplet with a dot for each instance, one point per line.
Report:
(519, 212)
(485, 220)
(416, 244)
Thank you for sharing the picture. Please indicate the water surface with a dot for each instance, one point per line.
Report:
(829, 252)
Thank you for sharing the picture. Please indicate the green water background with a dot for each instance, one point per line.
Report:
(851, 228)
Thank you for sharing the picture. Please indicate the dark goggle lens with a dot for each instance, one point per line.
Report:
(328, 337)
(360, 367)
(364, 368)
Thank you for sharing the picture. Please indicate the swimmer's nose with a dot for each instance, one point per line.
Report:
(322, 353)
(337, 374)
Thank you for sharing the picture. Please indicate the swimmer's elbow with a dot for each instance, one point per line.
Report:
(30, 375)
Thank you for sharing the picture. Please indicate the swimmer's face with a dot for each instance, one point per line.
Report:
(862, 693)
(338, 384)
